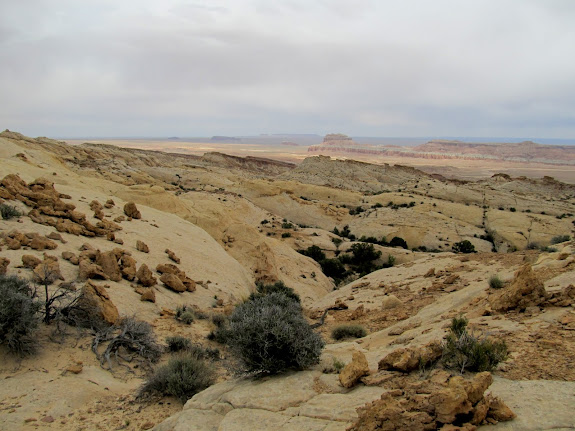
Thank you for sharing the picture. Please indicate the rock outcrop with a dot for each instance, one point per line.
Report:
(355, 370)
(132, 211)
(409, 359)
(524, 291)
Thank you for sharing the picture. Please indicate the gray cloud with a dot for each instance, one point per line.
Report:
(386, 68)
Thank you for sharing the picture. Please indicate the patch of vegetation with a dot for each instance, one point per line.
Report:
(286, 235)
(314, 252)
(128, 340)
(185, 315)
(397, 241)
(287, 225)
(269, 335)
(356, 210)
(182, 377)
(348, 331)
(9, 211)
(18, 315)
(495, 282)
(559, 239)
(465, 351)
(178, 343)
(277, 287)
(464, 246)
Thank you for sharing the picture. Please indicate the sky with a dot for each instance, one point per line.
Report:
(245, 67)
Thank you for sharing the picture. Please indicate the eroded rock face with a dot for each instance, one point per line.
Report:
(142, 246)
(29, 261)
(355, 370)
(132, 211)
(128, 267)
(108, 261)
(408, 359)
(524, 291)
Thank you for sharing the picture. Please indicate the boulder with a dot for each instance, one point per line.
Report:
(145, 276)
(408, 359)
(355, 370)
(95, 303)
(128, 267)
(524, 291)
(173, 282)
(172, 255)
(131, 211)
(108, 261)
(29, 261)
(148, 295)
(48, 271)
(142, 246)
(90, 270)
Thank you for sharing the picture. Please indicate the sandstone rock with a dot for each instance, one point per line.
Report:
(95, 303)
(4, 262)
(128, 267)
(525, 290)
(172, 255)
(109, 204)
(390, 301)
(430, 273)
(96, 206)
(42, 243)
(168, 268)
(355, 370)
(148, 295)
(109, 264)
(71, 257)
(131, 210)
(145, 276)
(75, 368)
(29, 261)
(476, 387)
(48, 271)
(450, 279)
(142, 246)
(56, 236)
(451, 401)
(173, 282)
(358, 312)
(89, 270)
(408, 359)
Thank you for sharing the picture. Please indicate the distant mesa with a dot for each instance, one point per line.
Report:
(173, 138)
(337, 138)
(290, 144)
(225, 139)
(341, 143)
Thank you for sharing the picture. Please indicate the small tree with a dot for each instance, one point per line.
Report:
(464, 246)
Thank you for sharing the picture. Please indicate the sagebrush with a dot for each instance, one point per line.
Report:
(269, 334)
(348, 331)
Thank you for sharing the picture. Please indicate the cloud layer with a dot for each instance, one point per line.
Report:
(362, 67)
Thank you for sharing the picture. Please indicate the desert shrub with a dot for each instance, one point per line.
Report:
(333, 367)
(314, 252)
(333, 268)
(532, 246)
(363, 252)
(277, 287)
(219, 319)
(178, 343)
(464, 246)
(128, 340)
(397, 241)
(185, 314)
(287, 225)
(269, 334)
(286, 235)
(348, 331)
(182, 377)
(18, 315)
(9, 211)
(559, 239)
(495, 282)
(466, 351)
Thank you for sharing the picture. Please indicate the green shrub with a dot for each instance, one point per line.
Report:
(178, 343)
(286, 235)
(219, 319)
(269, 334)
(333, 268)
(287, 225)
(495, 282)
(465, 351)
(277, 287)
(348, 331)
(559, 239)
(9, 211)
(314, 252)
(182, 377)
(397, 241)
(185, 315)
(464, 246)
(364, 252)
(18, 315)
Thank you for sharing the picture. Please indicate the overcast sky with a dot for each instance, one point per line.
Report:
(240, 67)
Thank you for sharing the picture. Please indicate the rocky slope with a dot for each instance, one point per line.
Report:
(143, 232)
